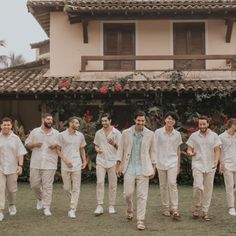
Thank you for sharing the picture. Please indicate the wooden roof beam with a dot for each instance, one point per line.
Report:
(85, 30)
(230, 24)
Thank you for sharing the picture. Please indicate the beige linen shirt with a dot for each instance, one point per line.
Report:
(167, 146)
(70, 146)
(203, 146)
(11, 148)
(43, 158)
(228, 150)
(147, 152)
(108, 157)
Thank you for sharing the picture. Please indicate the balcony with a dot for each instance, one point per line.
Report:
(217, 67)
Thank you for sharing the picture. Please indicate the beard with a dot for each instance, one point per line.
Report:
(47, 125)
(74, 127)
(203, 130)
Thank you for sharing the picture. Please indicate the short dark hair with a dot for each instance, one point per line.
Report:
(73, 118)
(172, 114)
(108, 115)
(204, 118)
(44, 115)
(6, 119)
(231, 121)
(139, 113)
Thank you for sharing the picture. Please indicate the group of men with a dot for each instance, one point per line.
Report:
(136, 153)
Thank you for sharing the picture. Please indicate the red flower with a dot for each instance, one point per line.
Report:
(87, 116)
(191, 130)
(117, 87)
(104, 89)
(64, 84)
(225, 119)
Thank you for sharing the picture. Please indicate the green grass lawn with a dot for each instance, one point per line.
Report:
(29, 221)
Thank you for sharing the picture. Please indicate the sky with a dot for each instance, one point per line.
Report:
(19, 28)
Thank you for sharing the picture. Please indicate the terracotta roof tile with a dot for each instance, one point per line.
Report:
(29, 80)
(147, 5)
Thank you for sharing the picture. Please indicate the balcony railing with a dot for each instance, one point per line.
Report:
(230, 59)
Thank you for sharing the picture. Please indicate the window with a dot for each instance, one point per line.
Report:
(189, 39)
(119, 39)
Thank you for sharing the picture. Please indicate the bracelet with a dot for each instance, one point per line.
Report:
(21, 166)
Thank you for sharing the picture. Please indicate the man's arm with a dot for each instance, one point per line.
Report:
(83, 156)
(61, 155)
(119, 155)
(217, 156)
(179, 156)
(19, 169)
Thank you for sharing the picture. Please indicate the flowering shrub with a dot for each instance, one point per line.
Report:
(104, 89)
(63, 84)
(117, 87)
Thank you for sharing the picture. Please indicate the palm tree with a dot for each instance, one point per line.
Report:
(15, 60)
(3, 58)
(12, 59)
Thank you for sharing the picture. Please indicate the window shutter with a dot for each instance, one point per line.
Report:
(119, 39)
(189, 38)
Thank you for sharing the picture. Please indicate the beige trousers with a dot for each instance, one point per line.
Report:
(71, 184)
(8, 187)
(202, 189)
(168, 188)
(112, 180)
(41, 182)
(142, 185)
(230, 182)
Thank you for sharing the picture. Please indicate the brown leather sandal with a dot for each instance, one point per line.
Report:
(196, 213)
(206, 217)
(176, 214)
(166, 212)
(140, 225)
(129, 215)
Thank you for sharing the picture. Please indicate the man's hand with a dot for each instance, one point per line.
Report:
(19, 170)
(111, 141)
(215, 163)
(153, 175)
(191, 153)
(83, 166)
(98, 149)
(68, 163)
(222, 167)
(52, 146)
(178, 170)
(37, 145)
(118, 169)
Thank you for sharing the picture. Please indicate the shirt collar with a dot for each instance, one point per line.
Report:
(134, 132)
(76, 132)
(228, 135)
(201, 135)
(49, 133)
(165, 132)
(11, 133)
(112, 131)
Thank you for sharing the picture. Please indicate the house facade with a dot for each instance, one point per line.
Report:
(126, 52)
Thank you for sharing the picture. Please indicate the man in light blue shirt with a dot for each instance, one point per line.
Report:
(136, 157)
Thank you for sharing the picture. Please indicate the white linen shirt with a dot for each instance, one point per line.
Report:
(108, 157)
(70, 146)
(228, 150)
(203, 146)
(43, 158)
(11, 148)
(167, 146)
